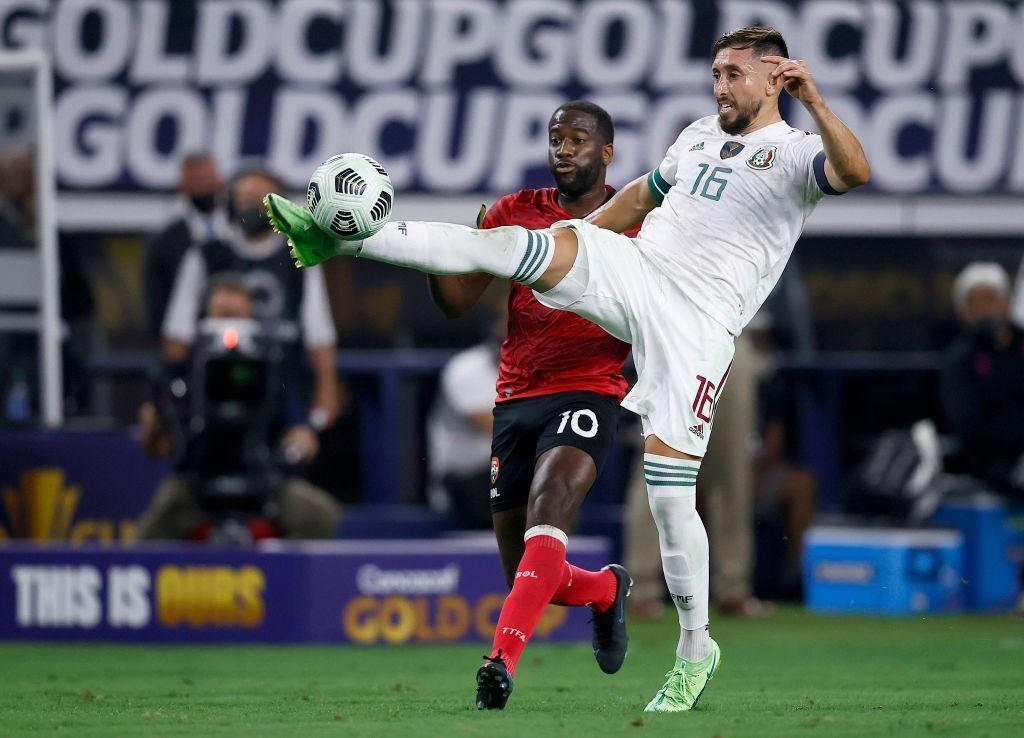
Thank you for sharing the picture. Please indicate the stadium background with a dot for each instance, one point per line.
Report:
(456, 110)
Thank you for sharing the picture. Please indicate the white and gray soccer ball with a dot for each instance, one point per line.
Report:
(350, 195)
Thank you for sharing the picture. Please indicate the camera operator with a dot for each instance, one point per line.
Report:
(243, 370)
(297, 299)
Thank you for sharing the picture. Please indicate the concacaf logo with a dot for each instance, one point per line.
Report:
(763, 158)
(42, 507)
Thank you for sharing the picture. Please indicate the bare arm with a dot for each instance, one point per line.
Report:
(327, 395)
(175, 350)
(183, 307)
(455, 294)
(627, 207)
(846, 166)
(483, 421)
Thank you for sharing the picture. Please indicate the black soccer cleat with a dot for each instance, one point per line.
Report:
(493, 684)
(610, 636)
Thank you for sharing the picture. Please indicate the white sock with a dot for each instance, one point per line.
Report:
(509, 252)
(672, 494)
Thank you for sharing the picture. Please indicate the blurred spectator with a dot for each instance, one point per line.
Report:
(787, 313)
(20, 350)
(201, 218)
(785, 492)
(295, 300)
(1017, 301)
(78, 310)
(19, 371)
(983, 381)
(726, 488)
(298, 509)
(459, 432)
(17, 198)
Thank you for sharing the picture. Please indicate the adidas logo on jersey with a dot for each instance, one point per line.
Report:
(698, 430)
(697, 147)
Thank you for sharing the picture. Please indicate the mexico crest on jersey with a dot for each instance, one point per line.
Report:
(730, 149)
(763, 158)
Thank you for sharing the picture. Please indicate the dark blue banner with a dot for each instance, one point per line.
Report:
(363, 592)
(65, 485)
(453, 96)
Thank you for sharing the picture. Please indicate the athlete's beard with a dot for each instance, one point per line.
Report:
(743, 119)
(577, 183)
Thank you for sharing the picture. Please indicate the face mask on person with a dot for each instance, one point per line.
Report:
(254, 222)
(205, 203)
(988, 329)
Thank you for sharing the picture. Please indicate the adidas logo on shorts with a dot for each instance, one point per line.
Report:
(698, 430)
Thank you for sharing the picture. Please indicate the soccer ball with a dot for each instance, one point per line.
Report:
(350, 196)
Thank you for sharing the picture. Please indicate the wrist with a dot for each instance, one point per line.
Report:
(318, 418)
(816, 106)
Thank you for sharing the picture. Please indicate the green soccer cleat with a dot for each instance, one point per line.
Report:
(309, 244)
(685, 683)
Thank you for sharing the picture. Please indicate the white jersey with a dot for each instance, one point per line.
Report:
(733, 208)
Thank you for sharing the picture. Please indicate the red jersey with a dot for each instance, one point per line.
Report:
(548, 351)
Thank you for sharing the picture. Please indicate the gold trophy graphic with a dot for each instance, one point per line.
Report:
(42, 507)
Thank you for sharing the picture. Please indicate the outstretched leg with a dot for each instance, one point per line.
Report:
(536, 258)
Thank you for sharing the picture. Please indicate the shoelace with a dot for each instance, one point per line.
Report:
(682, 688)
(496, 659)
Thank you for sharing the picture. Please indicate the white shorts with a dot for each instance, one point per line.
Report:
(682, 355)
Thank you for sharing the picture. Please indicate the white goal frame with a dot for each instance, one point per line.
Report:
(47, 321)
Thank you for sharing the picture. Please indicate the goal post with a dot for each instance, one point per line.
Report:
(30, 298)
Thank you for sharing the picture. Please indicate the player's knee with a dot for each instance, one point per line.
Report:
(676, 518)
(548, 507)
(553, 500)
(509, 233)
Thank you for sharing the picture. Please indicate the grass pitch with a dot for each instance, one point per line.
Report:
(793, 675)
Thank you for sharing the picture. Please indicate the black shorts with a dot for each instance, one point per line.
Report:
(525, 429)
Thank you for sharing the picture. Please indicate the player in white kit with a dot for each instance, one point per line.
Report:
(721, 215)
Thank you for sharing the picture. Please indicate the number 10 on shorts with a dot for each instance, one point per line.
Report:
(587, 429)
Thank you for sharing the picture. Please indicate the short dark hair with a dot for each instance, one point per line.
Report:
(605, 127)
(763, 40)
(255, 171)
(228, 281)
(197, 157)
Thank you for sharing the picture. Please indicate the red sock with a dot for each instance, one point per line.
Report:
(583, 587)
(538, 575)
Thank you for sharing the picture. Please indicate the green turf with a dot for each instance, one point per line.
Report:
(792, 675)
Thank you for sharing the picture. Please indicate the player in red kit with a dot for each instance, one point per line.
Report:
(559, 385)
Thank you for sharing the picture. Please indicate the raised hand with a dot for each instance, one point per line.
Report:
(796, 78)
